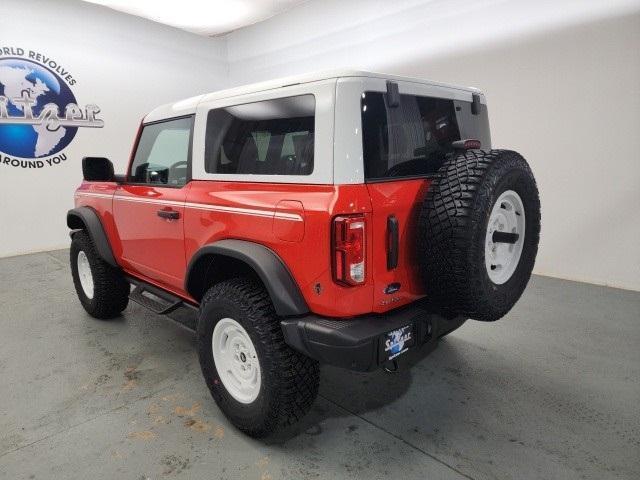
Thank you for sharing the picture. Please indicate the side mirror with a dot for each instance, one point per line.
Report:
(97, 169)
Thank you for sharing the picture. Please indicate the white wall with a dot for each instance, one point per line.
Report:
(125, 65)
(562, 80)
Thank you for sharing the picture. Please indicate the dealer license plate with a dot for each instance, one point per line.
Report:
(397, 342)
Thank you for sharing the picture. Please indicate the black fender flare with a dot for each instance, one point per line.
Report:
(282, 288)
(86, 218)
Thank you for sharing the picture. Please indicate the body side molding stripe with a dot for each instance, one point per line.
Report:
(200, 206)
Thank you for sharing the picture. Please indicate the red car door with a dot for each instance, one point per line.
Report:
(149, 208)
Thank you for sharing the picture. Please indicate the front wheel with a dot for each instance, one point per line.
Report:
(258, 381)
(102, 289)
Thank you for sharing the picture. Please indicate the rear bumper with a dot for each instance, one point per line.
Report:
(359, 343)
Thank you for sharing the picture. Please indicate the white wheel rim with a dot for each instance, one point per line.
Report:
(507, 215)
(236, 360)
(84, 272)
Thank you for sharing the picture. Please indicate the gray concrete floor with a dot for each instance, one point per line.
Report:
(552, 391)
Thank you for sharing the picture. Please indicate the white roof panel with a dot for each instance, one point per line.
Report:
(188, 106)
(176, 109)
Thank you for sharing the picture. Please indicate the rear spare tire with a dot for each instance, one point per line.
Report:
(478, 233)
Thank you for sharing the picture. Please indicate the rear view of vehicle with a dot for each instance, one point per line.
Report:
(451, 218)
(339, 218)
(449, 230)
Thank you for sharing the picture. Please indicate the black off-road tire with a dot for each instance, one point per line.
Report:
(452, 229)
(110, 288)
(289, 380)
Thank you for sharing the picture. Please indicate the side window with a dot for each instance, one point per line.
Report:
(272, 137)
(162, 156)
(409, 140)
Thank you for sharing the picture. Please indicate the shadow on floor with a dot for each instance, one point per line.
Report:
(360, 393)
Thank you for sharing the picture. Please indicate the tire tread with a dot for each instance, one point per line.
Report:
(111, 289)
(295, 376)
(451, 230)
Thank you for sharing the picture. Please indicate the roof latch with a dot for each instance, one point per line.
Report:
(475, 104)
(393, 94)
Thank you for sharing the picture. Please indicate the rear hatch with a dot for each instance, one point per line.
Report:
(404, 145)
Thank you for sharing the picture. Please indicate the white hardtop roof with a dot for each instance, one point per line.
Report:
(188, 106)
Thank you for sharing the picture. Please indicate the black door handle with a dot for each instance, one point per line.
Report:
(169, 214)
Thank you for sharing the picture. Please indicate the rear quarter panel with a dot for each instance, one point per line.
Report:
(247, 211)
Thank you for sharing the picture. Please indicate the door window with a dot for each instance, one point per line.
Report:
(163, 151)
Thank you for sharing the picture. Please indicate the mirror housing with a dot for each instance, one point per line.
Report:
(97, 169)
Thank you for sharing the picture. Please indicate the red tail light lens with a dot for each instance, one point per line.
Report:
(349, 249)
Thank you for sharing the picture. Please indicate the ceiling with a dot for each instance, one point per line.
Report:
(204, 17)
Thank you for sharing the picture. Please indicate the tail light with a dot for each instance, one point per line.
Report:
(349, 249)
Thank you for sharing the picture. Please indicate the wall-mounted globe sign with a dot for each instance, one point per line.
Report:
(39, 114)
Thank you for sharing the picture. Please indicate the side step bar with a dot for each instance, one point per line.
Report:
(155, 299)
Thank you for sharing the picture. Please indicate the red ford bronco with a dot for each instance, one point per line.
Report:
(341, 218)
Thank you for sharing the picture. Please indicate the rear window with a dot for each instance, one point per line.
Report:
(272, 137)
(409, 140)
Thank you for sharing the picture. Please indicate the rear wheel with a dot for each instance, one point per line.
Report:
(236, 360)
(258, 381)
(478, 233)
(102, 289)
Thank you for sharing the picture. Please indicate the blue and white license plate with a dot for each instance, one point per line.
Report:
(397, 342)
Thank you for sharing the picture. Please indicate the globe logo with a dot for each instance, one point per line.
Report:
(39, 115)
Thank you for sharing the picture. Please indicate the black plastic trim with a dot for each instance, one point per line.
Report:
(159, 292)
(173, 301)
(168, 119)
(97, 169)
(283, 290)
(427, 176)
(392, 242)
(86, 218)
(393, 94)
(475, 104)
(357, 344)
